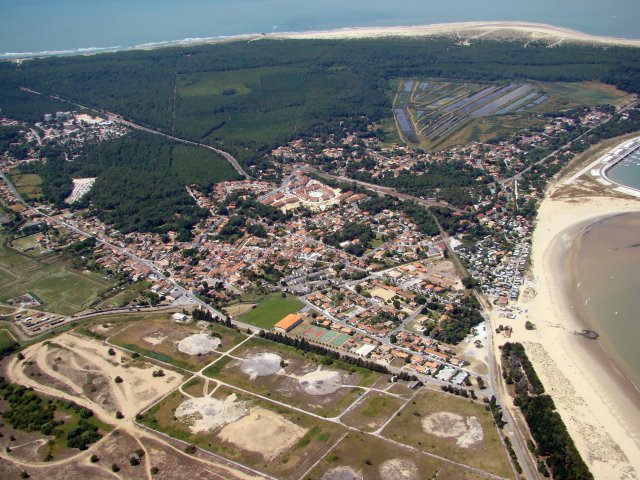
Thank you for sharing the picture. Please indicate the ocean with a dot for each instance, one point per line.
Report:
(76, 26)
(605, 287)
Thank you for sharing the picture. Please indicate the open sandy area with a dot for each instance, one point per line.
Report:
(88, 372)
(598, 405)
(467, 431)
(501, 29)
(399, 469)
(264, 432)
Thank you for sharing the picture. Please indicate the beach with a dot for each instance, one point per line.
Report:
(598, 404)
(471, 30)
(464, 32)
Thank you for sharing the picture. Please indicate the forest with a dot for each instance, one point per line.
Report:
(553, 444)
(140, 183)
(249, 97)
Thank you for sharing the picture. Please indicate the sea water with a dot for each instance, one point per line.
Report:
(606, 292)
(66, 26)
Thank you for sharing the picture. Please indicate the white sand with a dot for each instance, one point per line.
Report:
(199, 344)
(204, 414)
(264, 432)
(399, 469)
(467, 431)
(154, 339)
(343, 473)
(599, 408)
(468, 29)
(261, 365)
(320, 382)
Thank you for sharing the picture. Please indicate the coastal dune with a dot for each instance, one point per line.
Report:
(469, 30)
(598, 404)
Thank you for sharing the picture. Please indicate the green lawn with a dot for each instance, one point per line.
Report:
(60, 288)
(271, 311)
(28, 184)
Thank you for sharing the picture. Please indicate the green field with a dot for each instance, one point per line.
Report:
(271, 310)
(60, 288)
(200, 166)
(29, 185)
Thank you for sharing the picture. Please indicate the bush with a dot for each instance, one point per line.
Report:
(94, 458)
(118, 379)
(111, 352)
(115, 468)
(190, 449)
(119, 415)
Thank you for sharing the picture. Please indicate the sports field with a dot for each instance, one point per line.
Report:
(328, 337)
(271, 310)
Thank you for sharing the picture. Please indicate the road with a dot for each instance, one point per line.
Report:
(140, 261)
(518, 176)
(119, 119)
(497, 386)
(392, 192)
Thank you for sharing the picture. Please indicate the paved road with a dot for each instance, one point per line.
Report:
(518, 176)
(140, 261)
(497, 386)
(383, 190)
(114, 117)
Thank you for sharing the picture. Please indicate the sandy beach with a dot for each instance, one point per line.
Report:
(599, 406)
(468, 30)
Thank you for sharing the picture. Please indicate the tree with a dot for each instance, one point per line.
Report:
(94, 458)
(115, 468)
(111, 352)
(393, 338)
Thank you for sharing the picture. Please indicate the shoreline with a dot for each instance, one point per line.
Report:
(583, 316)
(471, 30)
(597, 401)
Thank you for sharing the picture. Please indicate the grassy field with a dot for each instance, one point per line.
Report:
(29, 185)
(375, 459)
(194, 387)
(487, 454)
(563, 95)
(156, 336)
(271, 310)
(285, 388)
(60, 288)
(320, 435)
(372, 411)
(200, 166)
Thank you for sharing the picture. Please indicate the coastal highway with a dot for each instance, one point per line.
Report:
(518, 441)
(114, 117)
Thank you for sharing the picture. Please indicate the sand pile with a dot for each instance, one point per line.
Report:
(204, 414)
(451, 425)
(342, 473)
(264, 432)
(261, 365)
(155, 339)
(399, 469)
(473, 434)
(320, 382)
(199, 344)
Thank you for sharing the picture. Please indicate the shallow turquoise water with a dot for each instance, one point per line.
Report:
(69, 25)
